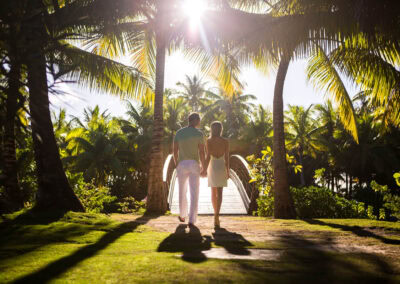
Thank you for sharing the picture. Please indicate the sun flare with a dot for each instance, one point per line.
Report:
(194, 9)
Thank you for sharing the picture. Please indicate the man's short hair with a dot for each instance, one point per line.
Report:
(193, 117)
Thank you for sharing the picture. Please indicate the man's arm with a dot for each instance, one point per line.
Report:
(176, 149)
(202, 155)
(207, 161)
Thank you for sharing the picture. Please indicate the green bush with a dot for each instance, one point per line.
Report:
(94, 198)
(316, 202)
(265, 205)
(390, 198)
(131, 205)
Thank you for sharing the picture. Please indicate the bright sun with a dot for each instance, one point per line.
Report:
(194, 9)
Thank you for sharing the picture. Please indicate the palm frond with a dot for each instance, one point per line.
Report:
(104, 75)
(324, 76)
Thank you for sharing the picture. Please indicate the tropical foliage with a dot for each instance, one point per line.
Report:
(345, 143)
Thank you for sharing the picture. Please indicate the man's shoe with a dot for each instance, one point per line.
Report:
(181, 219)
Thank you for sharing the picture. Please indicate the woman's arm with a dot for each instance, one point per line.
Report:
(227, 157)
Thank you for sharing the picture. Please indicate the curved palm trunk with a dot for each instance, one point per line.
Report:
(54, 192)
(156, 195)
(12, 189)
(284, 207)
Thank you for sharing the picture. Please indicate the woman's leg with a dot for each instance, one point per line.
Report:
(214, 199)
(219, 199)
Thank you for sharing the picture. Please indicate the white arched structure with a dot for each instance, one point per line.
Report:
(237, 199)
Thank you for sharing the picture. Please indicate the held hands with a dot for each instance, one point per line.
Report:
(203, 172)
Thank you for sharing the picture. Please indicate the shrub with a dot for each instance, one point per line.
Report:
(391, 200)
(262, 176)
(265, 205)
(94, 198)
(131, 205)
(316, 202)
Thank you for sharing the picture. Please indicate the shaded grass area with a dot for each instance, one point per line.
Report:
(91, 248)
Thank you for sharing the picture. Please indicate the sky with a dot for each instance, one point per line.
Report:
(296, 89)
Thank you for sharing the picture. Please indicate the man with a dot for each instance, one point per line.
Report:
(188, 151)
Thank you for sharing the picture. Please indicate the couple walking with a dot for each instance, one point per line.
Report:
(195, 157)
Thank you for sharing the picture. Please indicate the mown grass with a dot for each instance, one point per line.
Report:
(91, 248)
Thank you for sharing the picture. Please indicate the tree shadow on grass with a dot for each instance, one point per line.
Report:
(31, 231)
(31, 217)
(305, 261)
(61, 265)
(355, 230)
(300, 260)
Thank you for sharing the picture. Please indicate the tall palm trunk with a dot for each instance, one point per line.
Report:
(156, 194)
(54, 192)
(13, 191)
(284, 206)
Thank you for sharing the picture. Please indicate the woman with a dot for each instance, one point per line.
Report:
(217, 166)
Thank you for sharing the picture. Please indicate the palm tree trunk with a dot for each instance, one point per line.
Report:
(54, 192)
(284, 206)
(12, 189)
(156, 194)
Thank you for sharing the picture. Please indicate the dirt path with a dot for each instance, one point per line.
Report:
(283, 235)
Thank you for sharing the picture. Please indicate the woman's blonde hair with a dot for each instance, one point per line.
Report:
(216, 129)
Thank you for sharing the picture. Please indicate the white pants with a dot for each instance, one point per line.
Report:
(188, 170)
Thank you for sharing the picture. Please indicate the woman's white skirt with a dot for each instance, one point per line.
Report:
(216, 172)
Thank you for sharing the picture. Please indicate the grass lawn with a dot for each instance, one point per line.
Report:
(93, 248)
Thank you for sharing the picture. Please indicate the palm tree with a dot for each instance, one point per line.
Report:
(41, 45)
(175, 110)
(284, 206)
(266, 46)
(300, 44)
(148, 46)
(301, 130)
(315, 28)
(234, 108)
(12, 89)
(194, 91)
(14, 98)
(139, 130)
(97, 146)
(259, 130)
(61, 128)
(328, 127)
